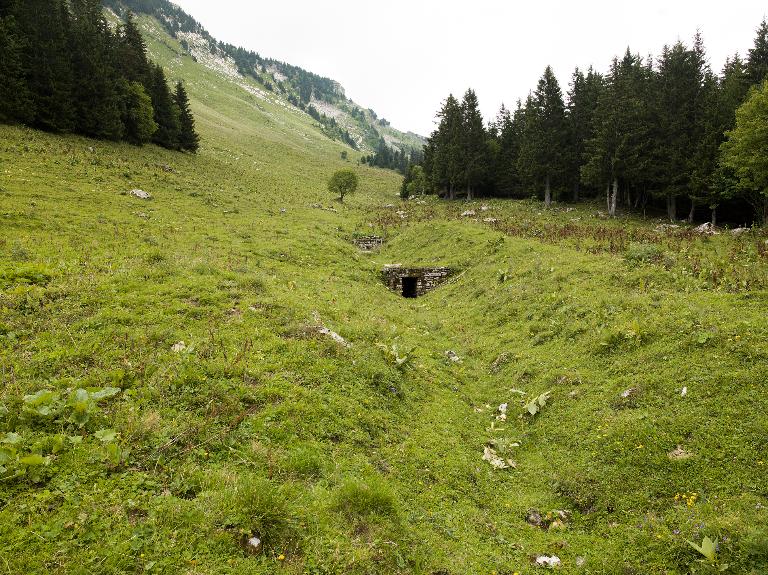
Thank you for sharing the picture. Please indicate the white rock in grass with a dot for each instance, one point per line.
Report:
(548, 561)
(334, 336)
(468, 213)
(490, 455)
(178, 347)
(141, 194)
(502, 416)
(684, 392)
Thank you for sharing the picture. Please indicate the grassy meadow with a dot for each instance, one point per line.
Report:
(166, 392)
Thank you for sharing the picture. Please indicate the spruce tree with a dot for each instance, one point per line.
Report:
(166, 112)
(447, 141)
(132, 53)
(757, 61)
(189, 140)
(97, 101)
(46, 62)
(543, 140)
(582, 103)
(622, 149)
(15, 99)
(474, 147)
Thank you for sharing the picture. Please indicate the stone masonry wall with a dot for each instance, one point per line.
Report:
(426, 278)
(368, 243)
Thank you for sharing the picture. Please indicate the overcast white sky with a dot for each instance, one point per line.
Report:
(402, 58)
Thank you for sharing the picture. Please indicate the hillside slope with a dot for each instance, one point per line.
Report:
(170, 390)
(271, 80)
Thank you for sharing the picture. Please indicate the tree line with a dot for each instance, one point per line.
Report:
(649, 131)
(63, 69)
(392, 158)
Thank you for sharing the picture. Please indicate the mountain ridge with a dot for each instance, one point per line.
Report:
(322, 98)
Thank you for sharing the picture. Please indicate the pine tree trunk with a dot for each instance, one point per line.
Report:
(672, 207)
(614, 198)
(576, 192)
(608, 196)
(692, 213)
(547, 192)
(714, 216)
(469, 193)
(450, 191)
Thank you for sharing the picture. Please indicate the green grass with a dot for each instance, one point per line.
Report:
(341, 461)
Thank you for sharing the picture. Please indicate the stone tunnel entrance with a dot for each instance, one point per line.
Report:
(410, 287)
(414, 282)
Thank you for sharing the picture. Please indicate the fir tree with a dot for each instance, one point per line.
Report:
(97, 102)
(45, 62)
(543, 139)
(474, 148)
(132, 54)
(757, 61)
(582, 103)
(166, 112)
(189, 140)
(15, 99)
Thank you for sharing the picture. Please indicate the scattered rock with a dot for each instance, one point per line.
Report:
(548, 561)
(502, 416)
(552, 520)
(452, 356)
(253, 545)
(736, 232)
(334, 336)
(142, 215)
(490, 220)
(627, 393)
(490, 455)
(679, 453)
(706, 229)
(499, 361)
(468, 213)
(283, 210)
(166, 168)
(684, 392)
(141, 194)
(484, 208)
(664, 228)
(533, 517)
(316, 206)
(390, 206)
(402, 214)
(580, 561)
(178, 347)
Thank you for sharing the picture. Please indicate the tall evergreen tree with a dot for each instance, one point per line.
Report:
(133, 62)
(447, 169)
(166, 111)
(474, 152)
(97, 101)
(543, 144)
(15, 99)
(45, 62)
(757, 61)
(189, 140)
(621, 151)
(582, 103)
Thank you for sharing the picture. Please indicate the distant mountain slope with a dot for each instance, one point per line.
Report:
(322, 98)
